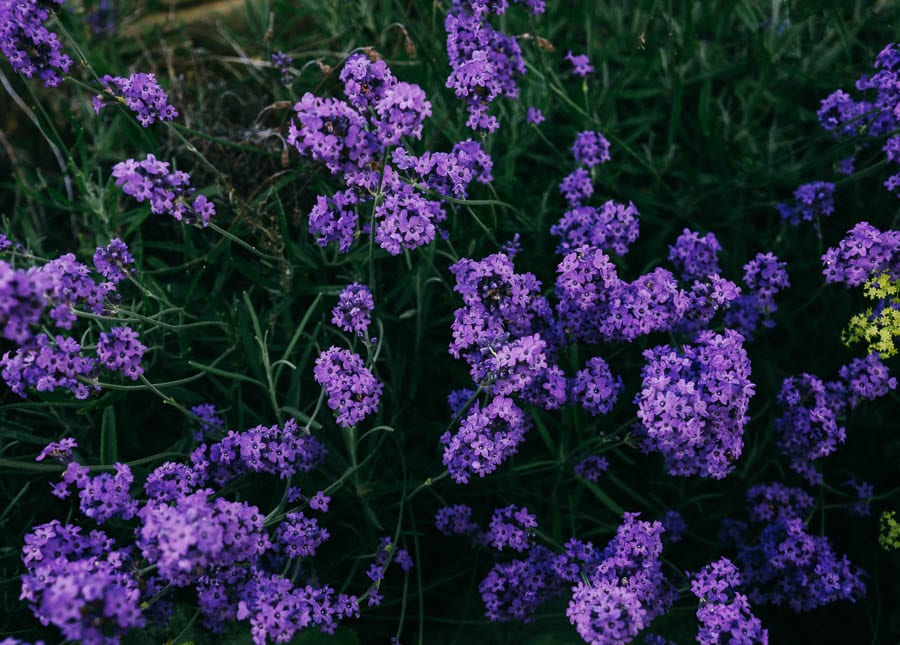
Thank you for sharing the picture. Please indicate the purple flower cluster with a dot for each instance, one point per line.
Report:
(167, 192)
(80, 583)
(595, 304)
(775, 502)
(51, 294)
(595, 388)
(140, 93)
(590, 148)
(693, 404)
(514, 590)
(30, 47)
(511, 527)
(534, 116)
(695, 257)
(485, 63)
(873, 117)
(353, 312)
(456, 520)
(864, 252)
(626, 590)
(486, 437)
(357, 138)
(764, 277)
(210, 420)
(282, 63)
(809, 428)
(788, 566)
(581, 64)
(189, 538)
(196, 533)
(724, 614)
(591, 467)
(612, 228)
(352, 390)
(114, 261)
(121, 351)
(505, 331)
(811, 201)
(278, 450)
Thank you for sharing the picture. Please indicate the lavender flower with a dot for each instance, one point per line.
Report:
(352, 391)
(590, 148)
(626, 590)
(120, 350)
(811, 201)
(865, 251)
(455, 520)
(278, 450)
(30, 47)
(591, 468)
(353, 312)
(114, 261)
(581, 64)
(511, 527)
(282, 63)
(486, 438)
(612, 228)
(695, 257)
(485, 63)
(764, 276)
(80, 583)
(140, 93)
(595, 388)
(788, 566)
(168, 192)
(534, 116)
(577, 187)
(724, 614)
(196, 533)
(693, 404)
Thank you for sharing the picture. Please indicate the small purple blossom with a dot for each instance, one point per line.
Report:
(581, 64)
(352, 391)
(140, 93)
(353, 312)
(167, 192)
(590, 148)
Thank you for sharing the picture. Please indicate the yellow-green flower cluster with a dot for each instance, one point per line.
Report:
(889, 533)
(878, 325)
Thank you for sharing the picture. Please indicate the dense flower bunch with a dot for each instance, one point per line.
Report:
(724, 614)
(595, 388)
(30, 47)
(486, 437)
(351, 389)
(873, 117)
(613, 228)
(485, 63)
(53, 294)
(695, 257)
(283, 450)
(809, 427)
(357, 138)
(193, 538)
(506, 331)
(786, 565)
(509, 528)
(80, 583)
(140, 93)
(455, 520)
(764, 276)
(590, 149)
(693, 404)
(626, 590)
(811, 201)
(353, 312)
(167, 192)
